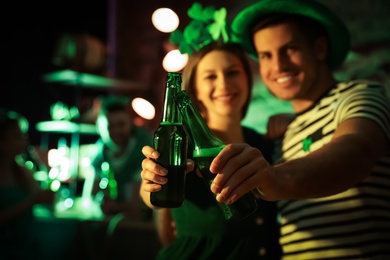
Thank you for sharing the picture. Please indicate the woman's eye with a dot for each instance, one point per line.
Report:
(210, 77)
(264, 56)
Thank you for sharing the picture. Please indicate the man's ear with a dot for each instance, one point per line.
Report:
(322, 48)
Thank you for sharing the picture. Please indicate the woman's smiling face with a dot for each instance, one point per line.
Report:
(221, 83)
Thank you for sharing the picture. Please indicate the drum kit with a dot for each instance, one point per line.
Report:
(77, 79)
(73, 128)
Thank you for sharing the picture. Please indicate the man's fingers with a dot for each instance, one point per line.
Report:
(224, 156)
(237, 165)
(241, 182)
(226, 162)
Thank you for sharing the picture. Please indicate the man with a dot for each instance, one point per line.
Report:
(119, 157)
(332, 179)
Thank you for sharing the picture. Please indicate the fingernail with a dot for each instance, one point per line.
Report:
(220, 197)
(231, 200)
(211, 168)
(214, 188)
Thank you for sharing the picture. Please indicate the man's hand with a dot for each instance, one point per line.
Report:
(240, 169)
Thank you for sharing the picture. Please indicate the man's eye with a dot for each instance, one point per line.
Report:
(233, 72)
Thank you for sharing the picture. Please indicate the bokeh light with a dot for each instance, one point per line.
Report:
(174, 61)
(165, 20)
(143, 108)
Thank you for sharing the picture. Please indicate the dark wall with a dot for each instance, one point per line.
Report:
(31, 29)
(28, 42)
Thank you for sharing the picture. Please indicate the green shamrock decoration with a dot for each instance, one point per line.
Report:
(208, 25)
(306, 143)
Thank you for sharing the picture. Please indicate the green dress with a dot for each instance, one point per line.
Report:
(203, 233)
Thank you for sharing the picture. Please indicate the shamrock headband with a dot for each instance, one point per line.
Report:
(208, 25)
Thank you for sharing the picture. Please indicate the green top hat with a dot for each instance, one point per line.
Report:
(338, 33)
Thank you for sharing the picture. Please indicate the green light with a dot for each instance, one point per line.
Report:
(40, 176)
(55, 185)
(103, 183)
(105, 167)
(71, 77)
(262, 106)
(113, 189)
(29, 165)
(68, 203)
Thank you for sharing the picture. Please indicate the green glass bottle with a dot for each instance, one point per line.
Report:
(206, 147)
(171, 141)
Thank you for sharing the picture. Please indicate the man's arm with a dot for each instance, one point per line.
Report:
(347, 159)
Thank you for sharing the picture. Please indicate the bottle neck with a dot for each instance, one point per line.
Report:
(170, 113)
(201, 135)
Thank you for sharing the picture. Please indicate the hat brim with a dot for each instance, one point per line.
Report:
(339, 36)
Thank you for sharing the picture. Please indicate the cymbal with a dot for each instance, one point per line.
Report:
(79, 79)
(66, 127)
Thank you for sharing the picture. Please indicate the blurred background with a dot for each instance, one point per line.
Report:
(58, 58)
(116, 40)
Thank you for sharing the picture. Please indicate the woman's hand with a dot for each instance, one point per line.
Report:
(154, 175)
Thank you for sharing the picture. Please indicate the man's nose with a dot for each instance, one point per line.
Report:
(281, 62)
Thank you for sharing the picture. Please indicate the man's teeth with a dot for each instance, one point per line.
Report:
(284, 79)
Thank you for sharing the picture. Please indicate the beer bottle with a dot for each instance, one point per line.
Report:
(171, 141)
(206, 147)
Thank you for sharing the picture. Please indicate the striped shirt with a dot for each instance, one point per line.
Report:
(354, 224)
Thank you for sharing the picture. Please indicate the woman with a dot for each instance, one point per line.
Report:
(219, 80)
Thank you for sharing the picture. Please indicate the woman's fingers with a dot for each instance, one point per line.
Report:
(153, 172)
(150, 152)
(154, 175)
